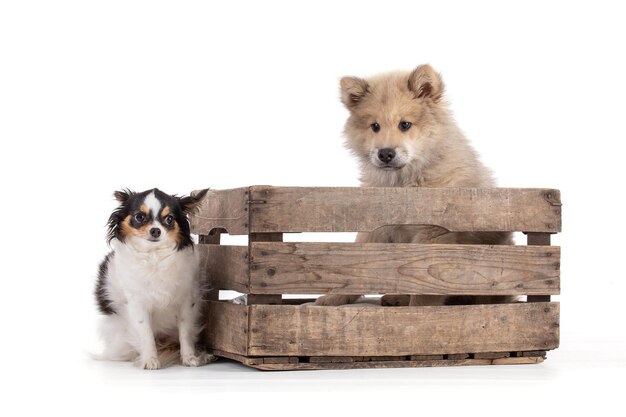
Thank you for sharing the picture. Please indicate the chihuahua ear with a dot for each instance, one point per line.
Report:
(123, 195)
(424, 82)
(353, 90)
(191, 203)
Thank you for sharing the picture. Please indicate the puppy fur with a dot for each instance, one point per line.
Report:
(403, 135)
(149, 286)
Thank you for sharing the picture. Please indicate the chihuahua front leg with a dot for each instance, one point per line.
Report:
(140, 323)
(188, 333)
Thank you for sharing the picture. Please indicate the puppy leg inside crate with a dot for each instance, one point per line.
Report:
(336, 300)
(427, 300)
(395, 300)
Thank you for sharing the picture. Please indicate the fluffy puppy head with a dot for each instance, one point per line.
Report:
(153, 219)
(394, 118)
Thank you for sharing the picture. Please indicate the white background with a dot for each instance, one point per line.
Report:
(95, 96)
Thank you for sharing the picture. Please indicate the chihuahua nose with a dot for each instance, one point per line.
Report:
(155, 232)
(386, 155)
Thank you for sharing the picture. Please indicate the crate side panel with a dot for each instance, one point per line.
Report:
(380, 331)
(224, 267)
(222, 209)
(397, 268)
(227, 327)
(320, 209)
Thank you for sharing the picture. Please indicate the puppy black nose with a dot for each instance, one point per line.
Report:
(155, 232)
(386, 154)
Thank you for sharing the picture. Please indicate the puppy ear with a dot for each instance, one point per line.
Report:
(353, 90)
(123, 195)
(424, 82)
(191, 203)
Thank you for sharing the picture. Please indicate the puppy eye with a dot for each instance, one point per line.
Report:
(169, 220)
(139, 217)
(404, 126)
(375, 127)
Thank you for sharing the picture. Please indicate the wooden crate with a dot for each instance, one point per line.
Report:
(272, 332)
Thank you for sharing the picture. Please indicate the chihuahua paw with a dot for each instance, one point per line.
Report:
(151, 364)
(197, 360)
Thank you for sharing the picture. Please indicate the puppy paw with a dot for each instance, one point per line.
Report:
(151, 364)
(394, 300)
(197, 360)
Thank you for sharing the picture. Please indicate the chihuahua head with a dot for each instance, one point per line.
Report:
(153, 219)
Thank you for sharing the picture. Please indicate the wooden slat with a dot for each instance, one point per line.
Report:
(331, 359)
(263, 298)
(534, 239)
(210, 239)
(386, 268)
(227, 327)
(517, 361)
(491, 355)
(458, 356)
(381, 331)
(315, 209)
(542, 239)
(226, 267)
(222, 209)
(265, 237)
(534, 354)
(316, 363)
(211, 292)
(538, 298)
(393, 364)
(426, 357)
(280, 360)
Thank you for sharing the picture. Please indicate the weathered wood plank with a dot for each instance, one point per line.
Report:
(227, 327)
(379, 358)
(397, 268)
(211, 292)
(263, 299)
(319, 363)
(491, 355)
(393, 364)
(211, 239)
(225, 266)
(280, 359)
(517, 361)
(318, 209)
(534, 239)
(457, 356)
(534, 354)
(542, 239)
(222, 209)
(381, 331)
(538, 298)
(426, 357)
(265, 237)
(331, 359)
(256, 297)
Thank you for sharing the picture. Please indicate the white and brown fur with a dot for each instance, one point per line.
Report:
(403, 135)
(149, 287)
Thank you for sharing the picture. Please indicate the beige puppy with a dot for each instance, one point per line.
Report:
(402, 133)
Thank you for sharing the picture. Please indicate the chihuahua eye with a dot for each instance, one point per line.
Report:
(375, 127)
(169, 220)
(404, 126)
(139, 217)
